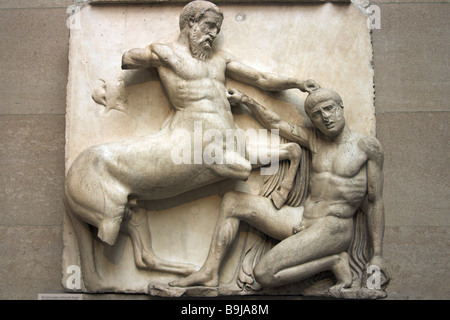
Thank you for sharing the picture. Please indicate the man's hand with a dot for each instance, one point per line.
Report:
(379, 262)
(235, 97)
(308, 85)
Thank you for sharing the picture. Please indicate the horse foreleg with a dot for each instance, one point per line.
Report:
(293, 153)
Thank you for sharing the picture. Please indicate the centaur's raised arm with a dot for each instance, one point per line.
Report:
(264, 80)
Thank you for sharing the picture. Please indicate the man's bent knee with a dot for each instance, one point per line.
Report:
(264, 275)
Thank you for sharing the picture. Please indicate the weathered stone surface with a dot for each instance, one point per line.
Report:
(34, 64)
(416, 189)
(418, 261)
(32, 162)
(31, 261)
(411, 51)
(27, 4)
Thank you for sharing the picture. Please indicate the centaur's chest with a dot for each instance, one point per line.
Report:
(191, 69)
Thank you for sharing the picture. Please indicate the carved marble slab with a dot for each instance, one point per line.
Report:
(329, 42)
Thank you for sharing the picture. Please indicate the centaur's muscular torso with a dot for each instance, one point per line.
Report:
(196, 88)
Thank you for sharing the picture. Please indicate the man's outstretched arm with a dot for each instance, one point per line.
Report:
(266, 81)
(270, 119)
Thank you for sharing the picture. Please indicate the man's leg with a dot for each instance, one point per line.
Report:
(318, 248)
(255, 210)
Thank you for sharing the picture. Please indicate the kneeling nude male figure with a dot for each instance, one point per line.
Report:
(346, 167)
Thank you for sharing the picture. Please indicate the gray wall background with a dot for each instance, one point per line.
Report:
(412, 82)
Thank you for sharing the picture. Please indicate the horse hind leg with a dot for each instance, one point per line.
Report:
(106, 215)
(92, 278)
(136, 226)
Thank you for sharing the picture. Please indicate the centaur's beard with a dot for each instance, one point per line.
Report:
(201, 45)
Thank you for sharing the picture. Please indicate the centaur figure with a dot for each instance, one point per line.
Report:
(105, 182)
